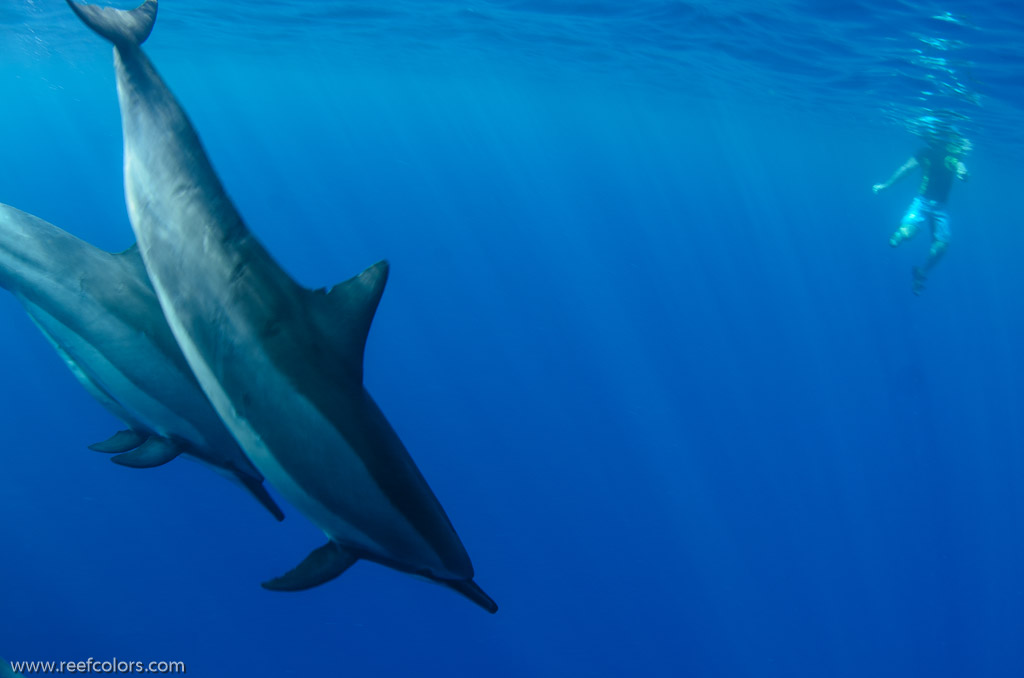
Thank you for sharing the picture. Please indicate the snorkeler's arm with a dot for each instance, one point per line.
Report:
(900, 173)
(961, 171)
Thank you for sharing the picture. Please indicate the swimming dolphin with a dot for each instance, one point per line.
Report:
(283, 365)
(100, 313)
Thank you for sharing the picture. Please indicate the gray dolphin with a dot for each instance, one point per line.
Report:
(100, 313)
(283, 365)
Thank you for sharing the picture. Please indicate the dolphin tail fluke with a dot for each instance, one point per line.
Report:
(154, 452)
(256, 488)
(123, 27)
(472, 590)
(122, 441)
(319, 567)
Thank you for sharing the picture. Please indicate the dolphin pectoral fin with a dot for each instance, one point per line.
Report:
(122, 441)
(154, 452)
(319, 567)
(472, 590)
(344, 314)
(256, 488)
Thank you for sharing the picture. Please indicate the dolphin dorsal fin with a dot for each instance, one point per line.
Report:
(344, 313)
(132, 258)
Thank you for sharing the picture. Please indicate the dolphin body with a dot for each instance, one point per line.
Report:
(282, 364)
(100, 313)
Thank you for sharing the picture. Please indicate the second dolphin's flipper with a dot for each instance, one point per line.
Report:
(256, 488)
(319, 567)
(156, 451)
(122, 441)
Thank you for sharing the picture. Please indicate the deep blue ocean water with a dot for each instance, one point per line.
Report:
(644, 336)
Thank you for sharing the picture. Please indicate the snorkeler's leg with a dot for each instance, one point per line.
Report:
(909, 225)
(904, 232)
(938, 220)
(935, 253)
(940, 240)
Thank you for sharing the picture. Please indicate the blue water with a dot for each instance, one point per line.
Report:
(644, 336)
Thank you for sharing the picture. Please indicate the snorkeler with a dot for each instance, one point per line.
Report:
(940, 161)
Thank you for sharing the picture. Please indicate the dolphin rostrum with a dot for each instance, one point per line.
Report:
(100, 313)
(283, 365)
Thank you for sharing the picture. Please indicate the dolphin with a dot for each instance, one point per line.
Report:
(282, 364)
(102, 316)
